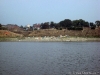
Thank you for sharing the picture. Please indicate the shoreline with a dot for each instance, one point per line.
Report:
(51, 39)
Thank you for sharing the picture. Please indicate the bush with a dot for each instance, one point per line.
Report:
(60, 28)
(78, 28)
(92, 27)
(75, 28)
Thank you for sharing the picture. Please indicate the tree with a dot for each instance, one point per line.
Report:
(52, 24)
(57, 26)
(97, 23)
(82, 22)
(41, 25)
(79, 23)
(61, 24)
(45, 25)
(66, 23)
(86, 24)
(21, 27)
(0, 26)
(92, 25)
(76, 23)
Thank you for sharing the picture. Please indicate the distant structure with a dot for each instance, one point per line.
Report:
(4, 27)
(13, 27)
(36, 26)
(28, 27)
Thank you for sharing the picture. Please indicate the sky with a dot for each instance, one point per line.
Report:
(23, 12)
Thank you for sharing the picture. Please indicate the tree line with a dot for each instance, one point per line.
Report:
(2, 28)
(66, 24)
(70, 25)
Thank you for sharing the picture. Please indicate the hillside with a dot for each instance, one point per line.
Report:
(86, 32)
(6, 33)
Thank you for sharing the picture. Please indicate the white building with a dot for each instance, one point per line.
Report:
(28, 26)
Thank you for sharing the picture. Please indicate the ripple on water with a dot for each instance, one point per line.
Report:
(49, 58)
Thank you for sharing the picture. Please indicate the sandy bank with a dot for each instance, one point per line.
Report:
(51, 39)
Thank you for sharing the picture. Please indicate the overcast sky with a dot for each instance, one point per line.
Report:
(23, 12)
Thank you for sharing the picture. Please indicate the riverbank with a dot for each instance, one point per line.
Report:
(60, 39)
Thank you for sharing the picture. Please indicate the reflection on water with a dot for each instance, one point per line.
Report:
(49, 58)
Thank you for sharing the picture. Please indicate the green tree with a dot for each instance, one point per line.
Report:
(92, 25)
(97, 23)
(45, 25)
(0, 26)
(57, 26)
(86, 24)
(68, 22)
(52, 24)
(65, 23)
(79, 23)
(61, 24)
(21, 27)
(76, 23)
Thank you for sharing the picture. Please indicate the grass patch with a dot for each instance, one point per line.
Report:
(4, 39)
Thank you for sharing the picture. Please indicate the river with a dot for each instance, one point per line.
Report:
(49, 58)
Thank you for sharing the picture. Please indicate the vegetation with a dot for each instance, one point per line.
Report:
(0, 26)
(70, 25)
(65, 27)
(3, 39)
(64, 24)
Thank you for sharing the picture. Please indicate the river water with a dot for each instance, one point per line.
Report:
(49, 58)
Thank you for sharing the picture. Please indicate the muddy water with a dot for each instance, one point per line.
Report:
(49, 58)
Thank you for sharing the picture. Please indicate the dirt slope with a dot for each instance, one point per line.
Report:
(86, 32)
(5, 33)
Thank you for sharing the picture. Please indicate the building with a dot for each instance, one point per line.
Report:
(27, 27)
(36, 26)
(13, 27)
(4, 27)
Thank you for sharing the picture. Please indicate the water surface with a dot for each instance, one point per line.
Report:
(49, 58)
